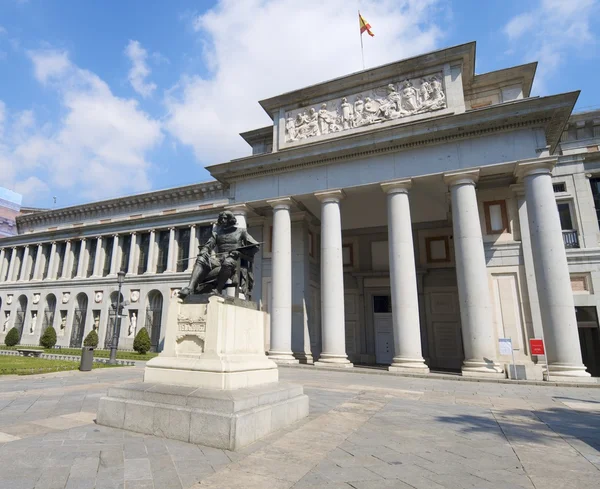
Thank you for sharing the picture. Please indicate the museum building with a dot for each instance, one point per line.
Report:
(410, 215)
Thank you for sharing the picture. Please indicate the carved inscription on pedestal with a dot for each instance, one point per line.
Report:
(191, 330)
(395, 101)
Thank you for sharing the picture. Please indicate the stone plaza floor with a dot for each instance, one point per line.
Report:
(364, 431)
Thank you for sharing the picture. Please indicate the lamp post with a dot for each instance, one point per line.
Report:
(117, 329)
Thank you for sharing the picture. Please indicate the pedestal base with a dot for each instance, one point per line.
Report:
(474, 368)
(562, 372)
(216, 418)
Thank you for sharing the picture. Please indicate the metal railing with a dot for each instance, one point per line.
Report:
(570, 239)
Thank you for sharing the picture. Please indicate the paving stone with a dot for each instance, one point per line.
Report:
(137, 468)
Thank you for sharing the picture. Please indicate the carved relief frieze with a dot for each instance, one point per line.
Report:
(191, 332)
(392, 102)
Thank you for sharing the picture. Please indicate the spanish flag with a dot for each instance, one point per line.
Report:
(364, 25)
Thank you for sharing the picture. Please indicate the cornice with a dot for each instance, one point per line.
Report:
(550, 113)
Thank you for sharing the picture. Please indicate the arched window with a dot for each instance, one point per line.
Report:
(49, 311)
(154, 317)
(79, 315)
(20, 317)
(112, 309)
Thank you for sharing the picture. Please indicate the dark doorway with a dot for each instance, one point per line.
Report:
(589, 338)
(79, 315)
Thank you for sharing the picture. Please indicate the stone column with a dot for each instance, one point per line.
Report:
(132, 248)
(479, 340)
(333, 326)
(193, 249)
(97, 271)
(114, 259)
(51, 274)
(11, 265)
(67, 261)
(38, 262)
(152, 252)
(281, 285)
(81, 264)
(24, 265)
(240, 211)
(408, 353)
(555, 295)
(171, 254)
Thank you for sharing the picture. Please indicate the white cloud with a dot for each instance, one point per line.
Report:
(2, 30)
(32, 189)
(97, 149)
(550, 31)
(260, 48)
(139, 69)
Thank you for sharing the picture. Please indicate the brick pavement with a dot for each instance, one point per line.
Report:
(364, 432)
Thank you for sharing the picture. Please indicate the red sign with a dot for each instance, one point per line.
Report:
(537, 347)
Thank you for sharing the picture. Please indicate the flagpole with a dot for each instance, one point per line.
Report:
(362, 51)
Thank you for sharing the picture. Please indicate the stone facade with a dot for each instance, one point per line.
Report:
(416, 240)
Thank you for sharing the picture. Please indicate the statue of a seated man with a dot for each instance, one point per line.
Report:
(217, 261)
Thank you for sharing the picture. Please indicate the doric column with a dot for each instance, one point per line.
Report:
(152, 252)
(193, 249)
(81, 262)
(38, 262)
(472, 277)
(51, 274)
(408, 354)
(11, 265)
(25, 265)
(67, 261)
(171, 254)
(281, 285)
(114, 259)
(332, 281)
(555, 295)
(2, 253)
(132, 248)
(97, 271)
(240, 211)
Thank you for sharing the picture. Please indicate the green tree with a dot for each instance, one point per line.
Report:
(48, 339)
(12, 337)
(91, 339)
(141, 344)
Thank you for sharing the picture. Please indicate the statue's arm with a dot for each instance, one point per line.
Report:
(207, 247)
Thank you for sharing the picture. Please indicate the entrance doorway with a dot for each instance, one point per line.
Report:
(154, 317)
(384, 333)
(589, 338)
(20, 316)
(442, 312)
(79, 321)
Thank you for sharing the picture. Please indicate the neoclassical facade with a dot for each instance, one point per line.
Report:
(411, 215)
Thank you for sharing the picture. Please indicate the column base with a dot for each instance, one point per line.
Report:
(563, 372)
(282, 357)
(303, 357)
(409, 365)
(480, 368)
(331, 360)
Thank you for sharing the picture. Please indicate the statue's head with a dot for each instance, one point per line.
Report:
(227, 219)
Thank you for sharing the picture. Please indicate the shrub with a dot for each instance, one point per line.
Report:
(141, 344)
(48, 339)
(12, 337)
(91, 339)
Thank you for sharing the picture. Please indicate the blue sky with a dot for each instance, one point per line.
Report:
(101, 98)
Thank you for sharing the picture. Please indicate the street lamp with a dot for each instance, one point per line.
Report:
(117, 329)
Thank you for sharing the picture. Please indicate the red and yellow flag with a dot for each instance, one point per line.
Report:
(364, 25)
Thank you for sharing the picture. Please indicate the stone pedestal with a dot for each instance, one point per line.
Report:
(212, 384)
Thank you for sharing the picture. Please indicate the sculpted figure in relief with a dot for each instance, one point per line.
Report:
(33, 323)
(378, 105)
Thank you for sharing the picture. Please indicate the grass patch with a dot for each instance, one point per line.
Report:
(121, 355)
(12, 365)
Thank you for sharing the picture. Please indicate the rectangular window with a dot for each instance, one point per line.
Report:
(183, 250)
(92, 257)
(595, 183)
(60, 257)
(347, 255)
(76, 247)
(564, 212)
(144, 248)
(46, 250)
(163, 251)
(108, 256)
(311, 244)
(559, 187)
(496, 218)
(125, 249)
(382, 304)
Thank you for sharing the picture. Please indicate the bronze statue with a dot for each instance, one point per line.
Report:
(228, 249)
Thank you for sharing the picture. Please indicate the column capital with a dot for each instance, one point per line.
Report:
(539, 166)
(239, 208)
(330, 195)
(397, 186)
(192, 226)
(282, 203)
(463, 177)
(518, 189)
